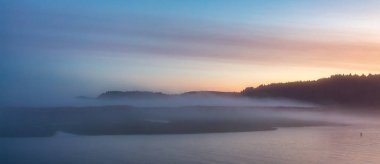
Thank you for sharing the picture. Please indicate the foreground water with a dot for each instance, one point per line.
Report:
(339, 144)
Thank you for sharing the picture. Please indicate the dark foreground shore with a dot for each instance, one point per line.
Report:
(122, 120)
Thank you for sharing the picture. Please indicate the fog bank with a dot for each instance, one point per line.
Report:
(171, 101)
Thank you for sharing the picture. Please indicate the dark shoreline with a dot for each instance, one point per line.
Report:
(126, 120)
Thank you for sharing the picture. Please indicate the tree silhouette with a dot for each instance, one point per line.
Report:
(349, 90)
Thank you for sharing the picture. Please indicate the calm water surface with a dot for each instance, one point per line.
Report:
(341, 144)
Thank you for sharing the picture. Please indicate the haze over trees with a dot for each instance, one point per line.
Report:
(347, 90)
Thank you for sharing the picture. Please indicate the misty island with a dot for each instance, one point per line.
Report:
(347, 93)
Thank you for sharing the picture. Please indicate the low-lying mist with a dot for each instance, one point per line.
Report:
(127, 120)
(210, 100)
(188, 114)
(169, 101)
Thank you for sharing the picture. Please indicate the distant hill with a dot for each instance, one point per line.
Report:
(131, 95)
(210, 93)
(153, 95)
(346, 90)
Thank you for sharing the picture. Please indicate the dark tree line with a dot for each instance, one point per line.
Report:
(348, 90)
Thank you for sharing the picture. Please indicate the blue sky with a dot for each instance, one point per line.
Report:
(70, 48)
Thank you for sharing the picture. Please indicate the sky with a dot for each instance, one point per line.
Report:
(78, 47)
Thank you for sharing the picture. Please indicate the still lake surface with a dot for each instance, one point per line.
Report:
(333, 144)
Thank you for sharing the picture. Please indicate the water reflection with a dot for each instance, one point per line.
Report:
(341, 144)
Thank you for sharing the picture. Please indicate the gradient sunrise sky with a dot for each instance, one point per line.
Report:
(78, 47)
